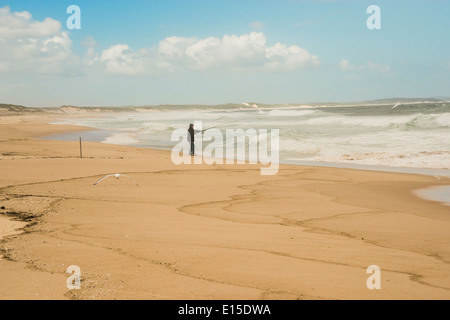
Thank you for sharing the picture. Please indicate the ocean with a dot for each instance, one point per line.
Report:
(408, 136)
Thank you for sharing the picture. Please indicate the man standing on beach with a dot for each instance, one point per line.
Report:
(191, 139)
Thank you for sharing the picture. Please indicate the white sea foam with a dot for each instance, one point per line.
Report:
(122, 139)
(368, 121)
(430, 160)
(290, 113)
(361, 135)
(443, 119)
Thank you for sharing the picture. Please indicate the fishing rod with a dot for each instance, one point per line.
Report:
(220, 125)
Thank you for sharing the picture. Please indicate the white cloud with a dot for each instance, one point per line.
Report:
(281, 57)
(378, 67)
(35, 47)
(345, 64)
(257, 25)
(370, 66)
(121, 59)
(89, 42)
(44, 48)
(171, 53)
(231, 52)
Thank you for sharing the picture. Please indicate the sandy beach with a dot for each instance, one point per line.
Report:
(208, 232)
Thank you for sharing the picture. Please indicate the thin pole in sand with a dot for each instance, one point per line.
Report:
(81, 150)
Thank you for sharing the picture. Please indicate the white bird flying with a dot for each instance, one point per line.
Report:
(117, 176)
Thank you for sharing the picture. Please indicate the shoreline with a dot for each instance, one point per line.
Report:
(212, 232)
(439, 194)
(435, 172)
(429, 194)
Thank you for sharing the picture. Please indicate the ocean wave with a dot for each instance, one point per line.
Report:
(414, 138)
(424, 159)
(443, 119)
(150, 127)
(291, 147)
(368, 121)
(414, 120)
(290, 113)
(126, 139)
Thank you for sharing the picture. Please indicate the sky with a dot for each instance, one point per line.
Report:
(221, 51)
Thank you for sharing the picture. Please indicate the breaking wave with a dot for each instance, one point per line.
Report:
(405, 136)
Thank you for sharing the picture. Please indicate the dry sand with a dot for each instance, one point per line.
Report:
(208, 232)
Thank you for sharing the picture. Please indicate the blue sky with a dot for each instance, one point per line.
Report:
(218, 51)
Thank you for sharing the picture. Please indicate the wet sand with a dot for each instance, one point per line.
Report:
(209, 232)
(440, 194)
